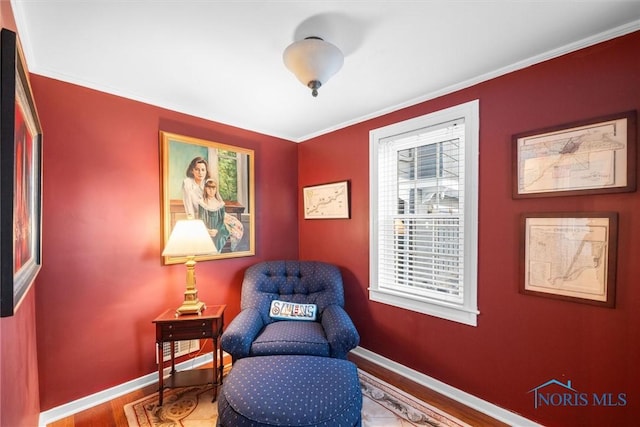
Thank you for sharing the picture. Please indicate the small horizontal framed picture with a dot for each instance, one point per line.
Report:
(326, 201)
(587, 157)
(570, 256)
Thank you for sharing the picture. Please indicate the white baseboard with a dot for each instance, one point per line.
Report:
(103, 396)
(467, 399)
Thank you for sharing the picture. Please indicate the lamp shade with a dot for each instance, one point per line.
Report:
(189, 238)
(313, 61)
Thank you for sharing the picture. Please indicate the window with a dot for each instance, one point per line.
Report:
(227, 166)
(424, 213)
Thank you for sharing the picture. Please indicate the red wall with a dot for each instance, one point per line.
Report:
(19, 366)
(521, 341)
(102, 282)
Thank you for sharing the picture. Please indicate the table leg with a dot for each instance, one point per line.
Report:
(216, 372)
(173, 360)
(160, 372)
(221, 355)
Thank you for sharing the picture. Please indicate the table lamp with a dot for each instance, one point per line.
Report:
(188, 239)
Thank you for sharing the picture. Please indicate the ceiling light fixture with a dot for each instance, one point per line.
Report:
(313, 61)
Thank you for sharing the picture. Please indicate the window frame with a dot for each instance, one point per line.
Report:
(467, 312)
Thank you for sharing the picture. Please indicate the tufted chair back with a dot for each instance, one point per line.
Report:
(303, 282)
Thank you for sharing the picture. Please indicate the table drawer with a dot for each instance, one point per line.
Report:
(186, 330)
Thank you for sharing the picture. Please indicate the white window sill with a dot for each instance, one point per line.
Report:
(425, 306)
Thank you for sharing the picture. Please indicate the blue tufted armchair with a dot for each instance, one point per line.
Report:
(254, 333)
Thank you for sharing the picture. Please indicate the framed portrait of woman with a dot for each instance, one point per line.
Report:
(213, 182)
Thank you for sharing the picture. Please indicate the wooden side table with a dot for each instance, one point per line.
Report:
(170, 328)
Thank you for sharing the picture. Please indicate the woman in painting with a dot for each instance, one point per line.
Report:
(221, 225)
(193, 185)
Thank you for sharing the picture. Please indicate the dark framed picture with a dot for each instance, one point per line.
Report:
(21, 186)
(326, 201)
(210, 181)
(592, 156)
(570, 256)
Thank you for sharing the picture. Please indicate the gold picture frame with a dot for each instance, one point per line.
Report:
(229, 171)
(570, 256)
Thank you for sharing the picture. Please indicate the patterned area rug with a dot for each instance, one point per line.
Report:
(383, 405)
(386, 406)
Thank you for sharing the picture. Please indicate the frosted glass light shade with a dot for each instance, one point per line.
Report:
(189, 238)
(313, 61)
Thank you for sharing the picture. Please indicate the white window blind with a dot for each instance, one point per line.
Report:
(421, 248)
(424, 240)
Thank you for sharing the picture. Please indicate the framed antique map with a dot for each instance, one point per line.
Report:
(587, 157)
(326, 201)
(570, 256)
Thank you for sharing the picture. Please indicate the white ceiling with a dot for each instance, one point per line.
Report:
(222, 60)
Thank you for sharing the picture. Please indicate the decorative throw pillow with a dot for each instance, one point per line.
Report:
(292, 311)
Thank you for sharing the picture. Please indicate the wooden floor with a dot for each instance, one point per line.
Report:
(450, 406)
(112, 414)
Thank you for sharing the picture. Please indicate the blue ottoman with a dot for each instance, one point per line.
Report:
(290, 391)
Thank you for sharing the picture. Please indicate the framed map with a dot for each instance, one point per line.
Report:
(570, 256)
(587, 157)
(326, 201)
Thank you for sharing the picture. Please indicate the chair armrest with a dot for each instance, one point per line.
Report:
(243, 329)
(340, 330)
